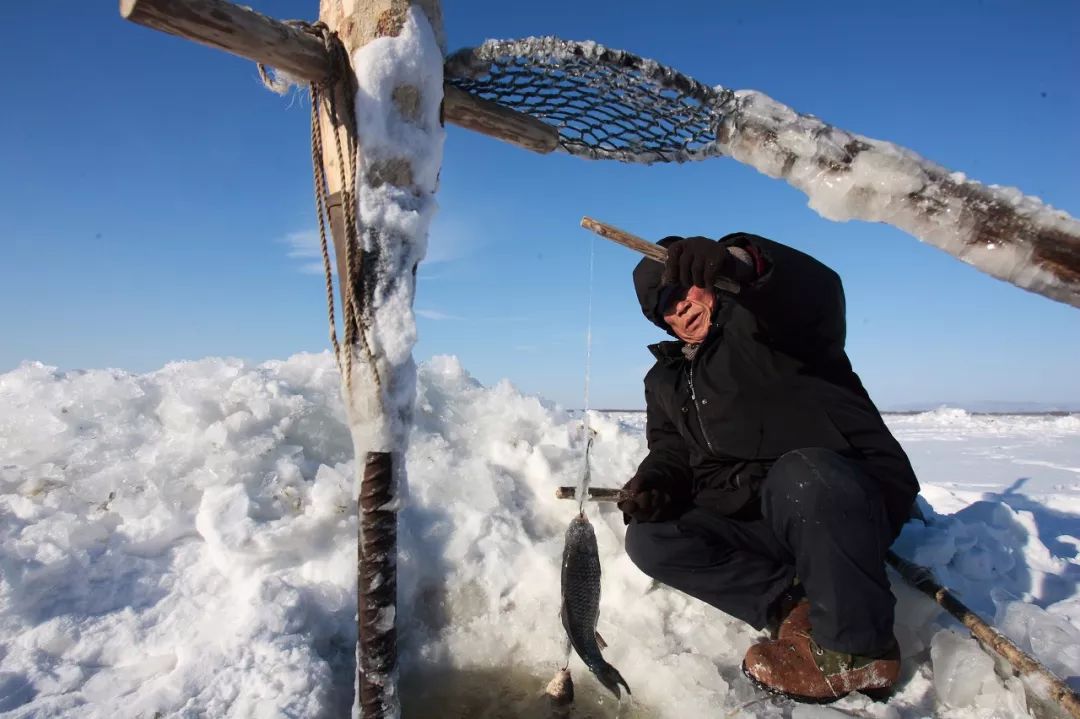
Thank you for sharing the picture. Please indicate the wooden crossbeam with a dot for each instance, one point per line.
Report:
(235, 29)
(256, 37)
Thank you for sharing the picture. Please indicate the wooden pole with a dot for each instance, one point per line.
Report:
(498, 121)
(923, 579)
(356, 23)
(642, 246)
(235, 29)
(256, 37)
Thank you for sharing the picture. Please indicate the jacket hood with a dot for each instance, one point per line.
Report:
(648, 284)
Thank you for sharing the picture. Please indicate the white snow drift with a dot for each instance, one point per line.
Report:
(182, 543)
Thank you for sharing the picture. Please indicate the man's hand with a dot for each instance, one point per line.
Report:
(697, 261)
(643, 500)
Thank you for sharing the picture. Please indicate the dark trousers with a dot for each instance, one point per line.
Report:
(821, 520)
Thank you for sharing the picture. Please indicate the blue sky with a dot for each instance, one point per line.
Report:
(150, 187)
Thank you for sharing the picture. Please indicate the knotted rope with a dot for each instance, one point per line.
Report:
(356, 319)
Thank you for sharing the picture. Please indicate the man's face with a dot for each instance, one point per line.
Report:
(689, 313)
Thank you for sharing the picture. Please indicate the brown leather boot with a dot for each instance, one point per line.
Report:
(799, 668)
(786, 604)
(797, 621)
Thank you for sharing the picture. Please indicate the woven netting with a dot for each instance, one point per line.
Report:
(606, 104)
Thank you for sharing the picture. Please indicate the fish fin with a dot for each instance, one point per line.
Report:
(600, 641)
(609, 676)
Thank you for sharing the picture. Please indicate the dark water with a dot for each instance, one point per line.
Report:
(504, 694)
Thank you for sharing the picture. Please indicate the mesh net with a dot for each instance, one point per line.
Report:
(606, 104)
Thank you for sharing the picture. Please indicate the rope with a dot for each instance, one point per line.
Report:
(356, 299)
(318, 171)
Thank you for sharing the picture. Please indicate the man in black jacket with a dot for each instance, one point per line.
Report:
(772, 488)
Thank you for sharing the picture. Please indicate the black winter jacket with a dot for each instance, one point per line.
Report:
(771, 376)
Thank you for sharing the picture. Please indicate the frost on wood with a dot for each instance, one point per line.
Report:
(999, 230)
(399, 90)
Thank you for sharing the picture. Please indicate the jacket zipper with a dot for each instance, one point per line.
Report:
(697, 409)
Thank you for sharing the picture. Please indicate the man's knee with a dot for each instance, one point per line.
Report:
(643, 547)
(814, 480)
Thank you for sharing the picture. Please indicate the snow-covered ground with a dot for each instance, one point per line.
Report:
(182, 543)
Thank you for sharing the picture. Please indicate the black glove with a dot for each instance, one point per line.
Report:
(643, 500)
(697, 261)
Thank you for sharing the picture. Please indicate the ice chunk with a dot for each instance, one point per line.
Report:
(961, 668)
(1053, 640)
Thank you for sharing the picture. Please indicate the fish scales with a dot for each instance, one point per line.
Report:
(581, 601)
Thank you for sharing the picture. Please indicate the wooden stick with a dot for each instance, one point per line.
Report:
(923, 579)
(498, 121)
(596, 494)
(256, 37)
(642, 246)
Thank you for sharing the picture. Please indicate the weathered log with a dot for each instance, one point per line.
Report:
(644, 247)
(378, 418)
(235, 29)
(923, 579)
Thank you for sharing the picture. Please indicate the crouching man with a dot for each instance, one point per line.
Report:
(772, 488)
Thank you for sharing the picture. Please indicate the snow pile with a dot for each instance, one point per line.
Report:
(848, 176)
(174, 542)
(183, 543)
(984, 546)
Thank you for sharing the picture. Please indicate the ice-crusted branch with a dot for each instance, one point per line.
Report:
(999, 230)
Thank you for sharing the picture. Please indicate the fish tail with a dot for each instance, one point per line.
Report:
(609, 676)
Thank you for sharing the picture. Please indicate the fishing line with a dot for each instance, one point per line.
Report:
(583, 489)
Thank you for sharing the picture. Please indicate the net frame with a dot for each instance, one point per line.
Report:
(605, 104)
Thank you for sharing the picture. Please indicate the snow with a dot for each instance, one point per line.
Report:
(398, 98)
(182, 542)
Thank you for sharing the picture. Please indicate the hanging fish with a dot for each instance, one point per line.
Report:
(581, 601)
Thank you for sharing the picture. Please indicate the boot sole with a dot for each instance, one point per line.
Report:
(877, 695)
